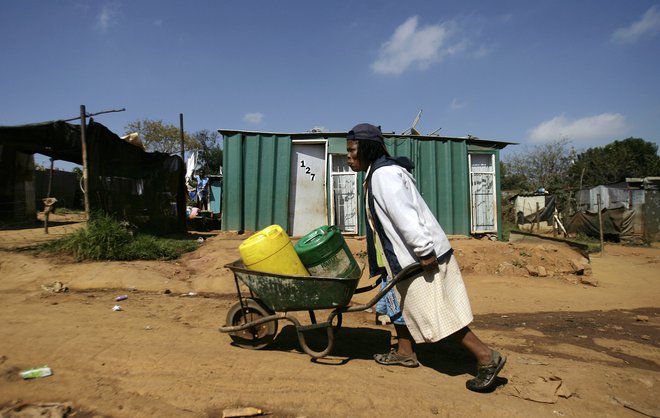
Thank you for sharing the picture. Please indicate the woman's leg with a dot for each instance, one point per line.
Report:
(490, 362)
(404, 355)
(469, 340)
(405, 347)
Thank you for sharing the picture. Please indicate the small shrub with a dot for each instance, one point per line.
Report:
(519, 263)
(105, 238)
(507, 227)
(148, 247)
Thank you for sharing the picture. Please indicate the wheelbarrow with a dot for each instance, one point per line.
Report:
(252, 322)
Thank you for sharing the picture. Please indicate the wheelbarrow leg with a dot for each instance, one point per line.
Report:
(312, 318)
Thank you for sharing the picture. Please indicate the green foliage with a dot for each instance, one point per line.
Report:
(593, 244)
(104, 238)
(507, 227)
(513, 182)
(544, 165)
(210, 150)
(159, 136)
(632, 157)
(149, 247)
(518, 263)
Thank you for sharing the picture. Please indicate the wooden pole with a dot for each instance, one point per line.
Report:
(600, 225)
(94, 114)
(182, 136)
(83, 142)
(50, 187)
(536, 220)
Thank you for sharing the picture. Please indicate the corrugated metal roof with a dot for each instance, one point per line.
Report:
(470, 140)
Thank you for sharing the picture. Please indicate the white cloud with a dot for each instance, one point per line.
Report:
(605, 125)
(456, 105)
(107, 17)
(254, 118)
(411, 45)
(647, 26)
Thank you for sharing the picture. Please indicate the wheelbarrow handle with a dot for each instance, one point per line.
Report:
(367, 288)
(409, 272)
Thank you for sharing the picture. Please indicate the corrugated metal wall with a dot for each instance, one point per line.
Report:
(651, 215)
(256, 169)
(442, 178)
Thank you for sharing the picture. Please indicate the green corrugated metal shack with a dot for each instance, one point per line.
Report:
(301, 181)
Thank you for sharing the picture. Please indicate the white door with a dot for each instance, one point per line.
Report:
(482, 193)
(307, 202)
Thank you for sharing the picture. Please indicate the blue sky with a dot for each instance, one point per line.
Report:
(521, 71)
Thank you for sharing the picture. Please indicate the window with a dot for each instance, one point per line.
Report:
(344, 212)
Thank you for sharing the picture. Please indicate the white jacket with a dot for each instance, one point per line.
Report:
(407, 221)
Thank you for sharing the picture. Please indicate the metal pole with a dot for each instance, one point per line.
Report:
(182, 136)
(83, 141)
(600, 225)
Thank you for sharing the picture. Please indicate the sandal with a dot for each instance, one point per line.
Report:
(486, 374)
(393, 358)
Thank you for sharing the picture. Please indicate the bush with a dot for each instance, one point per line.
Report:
(507, 227)
(105, 238)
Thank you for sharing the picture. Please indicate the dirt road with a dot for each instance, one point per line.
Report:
(574, 349)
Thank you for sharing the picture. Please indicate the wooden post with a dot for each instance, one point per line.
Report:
(538, 227)
(50, 187)
(182, 137)
(600, 225)
(85, 172)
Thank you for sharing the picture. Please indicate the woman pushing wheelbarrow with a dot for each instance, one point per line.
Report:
(403, 231)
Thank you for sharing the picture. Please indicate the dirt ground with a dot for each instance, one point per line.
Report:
(581, 336)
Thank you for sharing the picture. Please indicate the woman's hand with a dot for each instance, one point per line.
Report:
(429, 262)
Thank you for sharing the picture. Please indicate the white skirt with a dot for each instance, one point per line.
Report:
(436, 305)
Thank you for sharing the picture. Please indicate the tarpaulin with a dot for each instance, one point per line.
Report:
(145, 188)
(616, 222)
(526, 209)
(58, 139)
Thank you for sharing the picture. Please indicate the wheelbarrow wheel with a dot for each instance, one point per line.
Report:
(256, 337)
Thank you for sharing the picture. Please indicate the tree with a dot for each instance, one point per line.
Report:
(161, 137)
(613, 163)
(513, 182)
(158, 136)
(210, 150)
(544, 166)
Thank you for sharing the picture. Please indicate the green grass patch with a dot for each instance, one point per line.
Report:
(507, 227)
(593, 244)
(105, 238)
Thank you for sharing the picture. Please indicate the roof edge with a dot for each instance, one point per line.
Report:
(469, 139)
